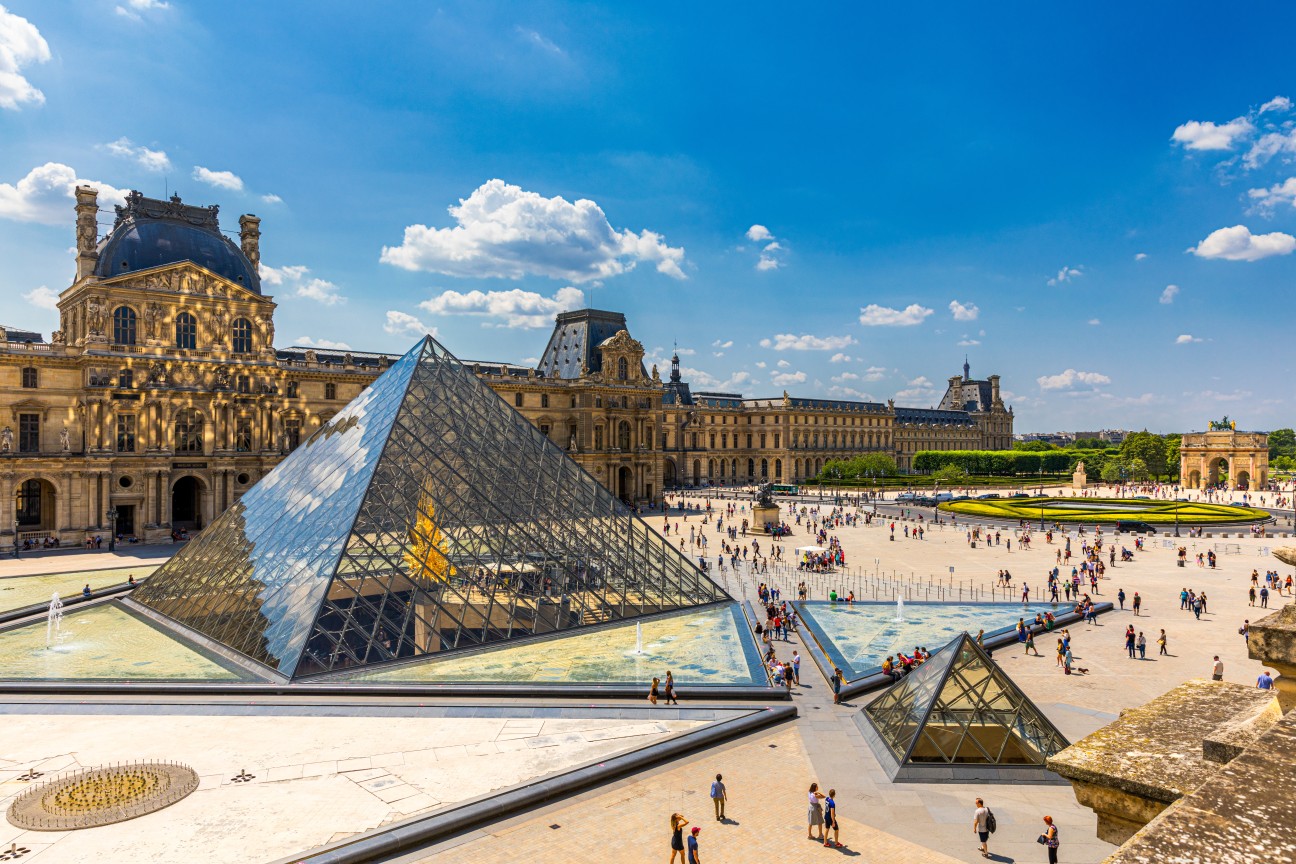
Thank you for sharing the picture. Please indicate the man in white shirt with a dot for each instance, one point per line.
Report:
(1217, 672)
(981, 825)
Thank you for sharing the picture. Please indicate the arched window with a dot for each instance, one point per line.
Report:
(764, 467)
(778, 467)
(123, 326)
(623, 369)
(241, 336)
(186, 327)
(188, 431)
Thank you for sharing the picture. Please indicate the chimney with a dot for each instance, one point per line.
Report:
(87, 230)
(250, 239)
(994, 390)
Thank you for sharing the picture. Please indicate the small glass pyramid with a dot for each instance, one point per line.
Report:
(955, 716)
(428, 516)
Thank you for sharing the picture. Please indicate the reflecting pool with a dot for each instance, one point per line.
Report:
(105, 641)
(19, 591)
(709, 646)
(858, 638)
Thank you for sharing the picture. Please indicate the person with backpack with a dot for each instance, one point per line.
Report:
(983, 823)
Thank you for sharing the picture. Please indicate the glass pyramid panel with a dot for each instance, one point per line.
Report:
(427, 517)
(960, 708)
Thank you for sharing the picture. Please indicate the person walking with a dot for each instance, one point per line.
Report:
(694, 856)
(1120, 595)
(719, 795)
(670, 689)
(652, 691)
(1217, 671)
(796, 668)
(815, 815)
(1265, 681)
(1162, 640)
(1142, 646)
(1138, 603)
(677, 822)
(1050, 839)
(830, 819)
(981, 825)
(1129, 640)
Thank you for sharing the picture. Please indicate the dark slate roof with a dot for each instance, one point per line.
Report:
(968, 396)
(933, 415)
(575, 340)
(677, 393)
(719, 400)
(21, 334)
(152, 233)
(836, 404)
(297, 353)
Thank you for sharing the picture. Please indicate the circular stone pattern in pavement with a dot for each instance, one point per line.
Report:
(101, 796)
(1106, 510)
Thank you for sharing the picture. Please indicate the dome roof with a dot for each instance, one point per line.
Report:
(152, 233)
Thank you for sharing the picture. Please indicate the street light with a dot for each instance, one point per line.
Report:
(15, 538)
(112, 528)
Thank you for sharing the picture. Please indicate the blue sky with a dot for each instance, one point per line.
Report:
(1094, 201)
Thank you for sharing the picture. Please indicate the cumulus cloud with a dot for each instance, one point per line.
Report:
(920, 381)
(133, 8)
(404, 324)
(875, 373)
(783, 379)
(759, 234)
(1266, 200)
(806, 342)
(21, 45)
(728, 343)
(505, 232)
(767, 263)
(1186, 338)
(296, 279)
(149, 160)
(874, 315)
(1239, 244)
(850, 393)
(1071, 379)
(327, 344)
(220, 179)
(1094, 322)
(961, 312)
(271, 198)
(771, 253)
(1271, 144)
(515, 308)
(1139, 256)
(840, 358)
(1067, 274)
(782, 364)
(845, 376)
(1278, 103)
(1168, 295)
(46, 195)
(42, 297)
(965, 342)
(1205, 135)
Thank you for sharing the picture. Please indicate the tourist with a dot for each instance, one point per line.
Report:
(1162, 640)
(1050, 839)
(694, 856)
(1142, 646)
(1120, 595)
(981, 825)
(85, 592)
(796, 668)
(1245, 630)
(677, 822)
(1217, 671)
(836, 681)
(815, 816)
(830, 820)
(1138, 603)
(1265, 681)
(652, 692)
(670, 689)
(1129, 640)
(718, 797)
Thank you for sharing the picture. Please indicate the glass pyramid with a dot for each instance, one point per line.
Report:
(959, 709)
(428, 516)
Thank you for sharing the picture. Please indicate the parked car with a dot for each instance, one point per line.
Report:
(1124, 527)
(988, 496)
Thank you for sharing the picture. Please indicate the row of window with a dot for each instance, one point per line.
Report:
(126, 380)
(519, 401)
(189, 424)
(126, 331)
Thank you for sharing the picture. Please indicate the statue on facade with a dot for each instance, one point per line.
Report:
(95, 316)
(65, 440)
(6, 440)
(267, 330)
(347, 359)
(222, 378)
(157, 372)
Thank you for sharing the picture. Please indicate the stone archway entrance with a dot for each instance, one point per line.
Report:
(35, 502)
(1224, 457)
(625, 484)
(186, 503)
(1219, 472)
(668, 473)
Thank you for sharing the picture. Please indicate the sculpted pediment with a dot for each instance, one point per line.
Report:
(184, 277)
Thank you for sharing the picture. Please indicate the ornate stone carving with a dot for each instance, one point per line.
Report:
(65, 440)
(266, 323)
(96, 316)
(6, 440)
(139, 207)
(157, 373)
(222, 378)
(153, 314)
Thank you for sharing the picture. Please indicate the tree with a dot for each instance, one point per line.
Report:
(1282, 442)
(1111, 471)
(1033, 446)
(1136, 469)
(1089, 444)
(951, 474)
(1147, 448)
(1172, 443)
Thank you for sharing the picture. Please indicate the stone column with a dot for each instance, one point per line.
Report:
(87, 230)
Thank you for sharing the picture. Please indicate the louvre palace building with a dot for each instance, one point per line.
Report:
(162, 397)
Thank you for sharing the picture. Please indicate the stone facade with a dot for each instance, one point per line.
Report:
(161, 398)
(1240, 460)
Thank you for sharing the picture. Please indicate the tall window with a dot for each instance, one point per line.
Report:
(623, 435)
(241, 334)
(29, 504)
(29, 378)
(125, 379)
(186, 327)
(28, 433)
(292, 389)
(517, 400)
(123, 326)
(292, 433)
(598, 437)
(126, 433)
(243, 384)
(243, 434)
(330, 391)
(623, 369)
(544, 400)
(188, 431)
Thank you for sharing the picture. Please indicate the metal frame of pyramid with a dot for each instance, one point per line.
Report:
(960, 717)
(428, 516)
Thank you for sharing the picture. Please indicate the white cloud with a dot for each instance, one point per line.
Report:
(728, 343)
(806, 342)
(760, 364)
(1278, 103)
(920, 381)
(1071, 379)
(46, 195)
(220, 179)
(138, 6)
(1067, 274)
(1214, 396)
(683, 352)
(851, 393)
(271, 198)
(1268, 146)
(21, 45)
(782, 364)
(404, 324)
(42, 297)
(149, 160)
(328, 344)
(875, 373)
(1239, 244)
(874, 315)
(1094, 322)
(505, 232)
(515, 308)
(783, 379)
(767, 263)
(759, 234)
(1279, 193)
(1205, 135)
(962, 312)
(845, 376)
(773, 247)
(294, 278)
(840, 358)
(1185, 339)
(538, 39)
(1139, 256)
(1168, 295)
(771, 254)
(965, 342)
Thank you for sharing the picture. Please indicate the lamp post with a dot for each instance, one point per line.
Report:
(112, 528)
(15, 538)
